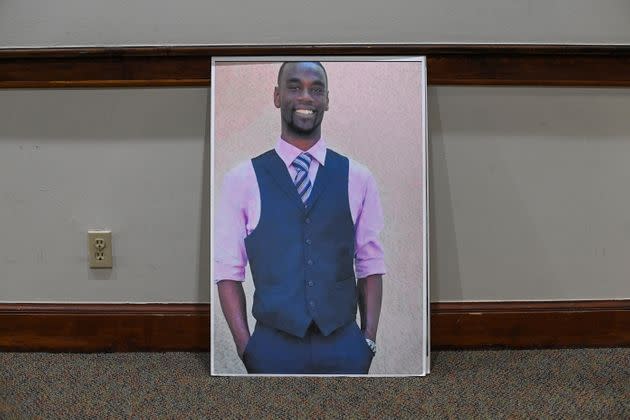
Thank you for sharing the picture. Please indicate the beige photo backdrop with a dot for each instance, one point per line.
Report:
(375, 118)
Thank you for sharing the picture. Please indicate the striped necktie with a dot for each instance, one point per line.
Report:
(301, 181)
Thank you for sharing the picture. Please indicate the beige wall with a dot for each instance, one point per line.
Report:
(528, 197)
(157, 22)
(375, 118)
(133, 161)
(529, 193)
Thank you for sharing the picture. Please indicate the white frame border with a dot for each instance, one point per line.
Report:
(426, 365)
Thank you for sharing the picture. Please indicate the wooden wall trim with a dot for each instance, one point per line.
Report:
(594, 323)
(104, 327)
(185, 327)
(157, 309)
(530, 306)
(516, 65)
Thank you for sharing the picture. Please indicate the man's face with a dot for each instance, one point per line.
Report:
(302, 97)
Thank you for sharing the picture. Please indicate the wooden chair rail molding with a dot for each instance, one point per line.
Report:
(185, 327)
(515, 65)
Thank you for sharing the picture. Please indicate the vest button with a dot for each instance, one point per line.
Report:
(308, 242)
(310, 283)
(307, 220)
(310, 262)
(311, 303)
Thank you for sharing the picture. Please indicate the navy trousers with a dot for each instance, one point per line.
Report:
(271, 351)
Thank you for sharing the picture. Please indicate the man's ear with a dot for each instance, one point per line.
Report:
(327, 101)
(276, 97)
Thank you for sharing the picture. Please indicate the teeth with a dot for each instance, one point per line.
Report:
(304, 111)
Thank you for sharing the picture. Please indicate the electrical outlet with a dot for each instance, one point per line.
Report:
(100, 248)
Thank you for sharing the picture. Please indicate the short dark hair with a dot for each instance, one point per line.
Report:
(317, 63)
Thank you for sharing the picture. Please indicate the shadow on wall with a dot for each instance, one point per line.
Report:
(443, 255)
(204, 281)
(204, 237)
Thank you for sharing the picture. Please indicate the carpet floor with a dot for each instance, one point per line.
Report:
(571, 383)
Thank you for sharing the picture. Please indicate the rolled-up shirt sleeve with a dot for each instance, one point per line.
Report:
(230, 257)
(369, 255)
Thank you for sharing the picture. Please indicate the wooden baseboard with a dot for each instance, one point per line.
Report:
(104, 327)
(594, 323)
(185, 327)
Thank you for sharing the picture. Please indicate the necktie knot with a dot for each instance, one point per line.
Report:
(302, 162)
(301, 180)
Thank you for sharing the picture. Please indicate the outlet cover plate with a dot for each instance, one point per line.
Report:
(100, 248)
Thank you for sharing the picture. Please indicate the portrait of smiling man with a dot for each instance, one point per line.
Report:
(307, 221)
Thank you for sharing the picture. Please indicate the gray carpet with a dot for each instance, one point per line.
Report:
(578, 383)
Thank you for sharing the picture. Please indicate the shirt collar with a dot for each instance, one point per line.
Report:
(288, 152)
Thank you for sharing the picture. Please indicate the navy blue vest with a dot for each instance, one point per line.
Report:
(301, 257)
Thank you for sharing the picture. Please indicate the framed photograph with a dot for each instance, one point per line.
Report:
(319, 216)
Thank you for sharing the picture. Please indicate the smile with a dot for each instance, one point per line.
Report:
(304, 112)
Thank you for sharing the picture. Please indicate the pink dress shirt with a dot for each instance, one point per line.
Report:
(238, 213)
